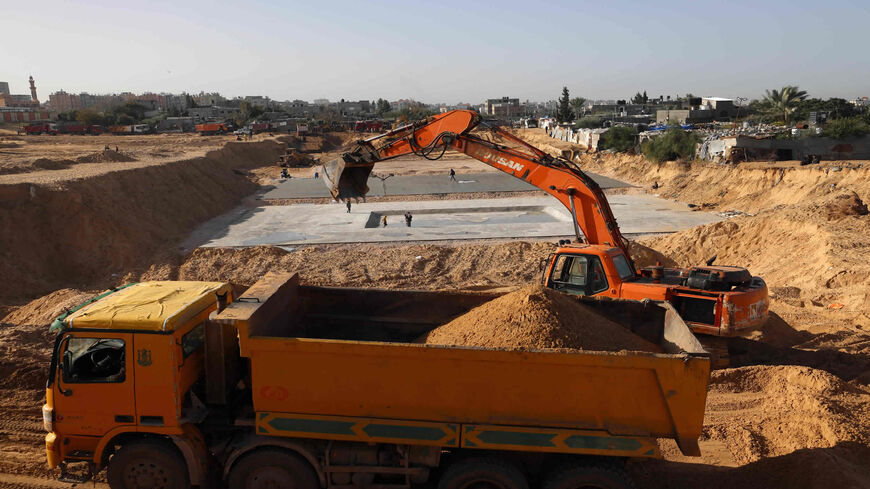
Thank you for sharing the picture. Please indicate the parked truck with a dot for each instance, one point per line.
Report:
(173, 384)
(41, 128)
(209, 129)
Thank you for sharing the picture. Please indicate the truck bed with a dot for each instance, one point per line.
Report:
(326, 356)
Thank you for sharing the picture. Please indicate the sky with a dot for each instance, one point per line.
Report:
(438, 52)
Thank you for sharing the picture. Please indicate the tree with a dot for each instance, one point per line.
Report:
(846, 127)
(382, 107)
(784, 102)
(577, 104)
(673, 144)
(645, 98)
(89, 117)
(618, 138)
(637, 99)
(564, 114)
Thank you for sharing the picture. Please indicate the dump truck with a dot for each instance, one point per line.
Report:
(173, 384)
(209, 129)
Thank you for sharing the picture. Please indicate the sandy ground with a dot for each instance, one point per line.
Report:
(792, 413)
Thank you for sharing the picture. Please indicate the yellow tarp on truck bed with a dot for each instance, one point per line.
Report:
(148, 306)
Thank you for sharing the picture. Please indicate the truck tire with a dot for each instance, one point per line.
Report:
(483, 473)
(597, 476)
(147, 464)
(270, 467)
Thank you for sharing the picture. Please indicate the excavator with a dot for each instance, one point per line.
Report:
(716, 301)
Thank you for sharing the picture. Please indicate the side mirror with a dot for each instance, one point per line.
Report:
(65, 373)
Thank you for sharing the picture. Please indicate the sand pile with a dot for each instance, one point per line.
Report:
(42, 311)
(535, 317)
(105, 156)
(768, 411)
(25, 341)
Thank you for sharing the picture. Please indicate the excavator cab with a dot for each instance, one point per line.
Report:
(578, 274)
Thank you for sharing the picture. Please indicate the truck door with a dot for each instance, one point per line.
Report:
(94, 383)
(578, 274)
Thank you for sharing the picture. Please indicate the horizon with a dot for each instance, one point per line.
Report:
(301, 52)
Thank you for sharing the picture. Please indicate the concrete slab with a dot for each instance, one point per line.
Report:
(305, 188)
(530, 217)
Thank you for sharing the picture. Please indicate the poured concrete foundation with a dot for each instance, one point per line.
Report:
(532, 217)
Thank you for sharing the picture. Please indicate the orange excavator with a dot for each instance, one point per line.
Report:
(720, 301)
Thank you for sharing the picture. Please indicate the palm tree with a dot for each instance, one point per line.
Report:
(784, 102)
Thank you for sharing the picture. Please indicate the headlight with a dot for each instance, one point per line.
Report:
(48, 418)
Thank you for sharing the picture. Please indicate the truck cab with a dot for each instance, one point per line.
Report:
(122, 375)
(713, 300)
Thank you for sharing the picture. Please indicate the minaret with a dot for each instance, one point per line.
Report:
(33, 90)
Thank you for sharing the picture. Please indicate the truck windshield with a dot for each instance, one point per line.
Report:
(622, 267)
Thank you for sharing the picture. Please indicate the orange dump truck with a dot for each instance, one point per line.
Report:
(209, 129)
(174, 384)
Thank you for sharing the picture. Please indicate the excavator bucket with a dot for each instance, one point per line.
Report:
(346, 179)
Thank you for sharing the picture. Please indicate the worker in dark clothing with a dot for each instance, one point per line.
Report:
(316, 175)
(348, 207)
(408, 218)
(452, 175)
(285, 173)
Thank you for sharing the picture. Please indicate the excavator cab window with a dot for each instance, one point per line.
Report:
(578, 275)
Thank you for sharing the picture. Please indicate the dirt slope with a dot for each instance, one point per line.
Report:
(77, 232)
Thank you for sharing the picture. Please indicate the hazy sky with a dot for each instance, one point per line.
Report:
(438, 51)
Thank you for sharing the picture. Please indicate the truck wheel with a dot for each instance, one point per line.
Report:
(268, 468)
(147, 464)
(483, 473)
(588, 477)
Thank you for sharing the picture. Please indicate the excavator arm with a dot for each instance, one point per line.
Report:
(430, 138)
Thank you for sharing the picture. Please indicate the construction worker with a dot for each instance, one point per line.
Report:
(384, 220)
(348, 207)
(452, 175)
(408, 218)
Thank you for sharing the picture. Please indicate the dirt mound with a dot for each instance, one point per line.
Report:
(767, 411)
(42, 311)
(536, 317)
(48, 164)
(105, 156)
(468, 266)
(644, 256)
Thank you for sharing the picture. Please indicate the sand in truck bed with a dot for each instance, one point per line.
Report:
(535, 317)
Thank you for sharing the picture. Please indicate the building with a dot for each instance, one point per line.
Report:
(504, 107)
(212, 113)
(62, 101)
(323, 102)
(19, 101)
(708, 109)
(258, 101)
(209, 99)
(857, 101)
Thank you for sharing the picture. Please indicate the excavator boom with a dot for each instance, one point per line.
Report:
(347, 176)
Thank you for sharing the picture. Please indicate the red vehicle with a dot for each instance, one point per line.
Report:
(259, 127)
(41, 128)
(211, 129)
(368, 126)
(74, 129)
